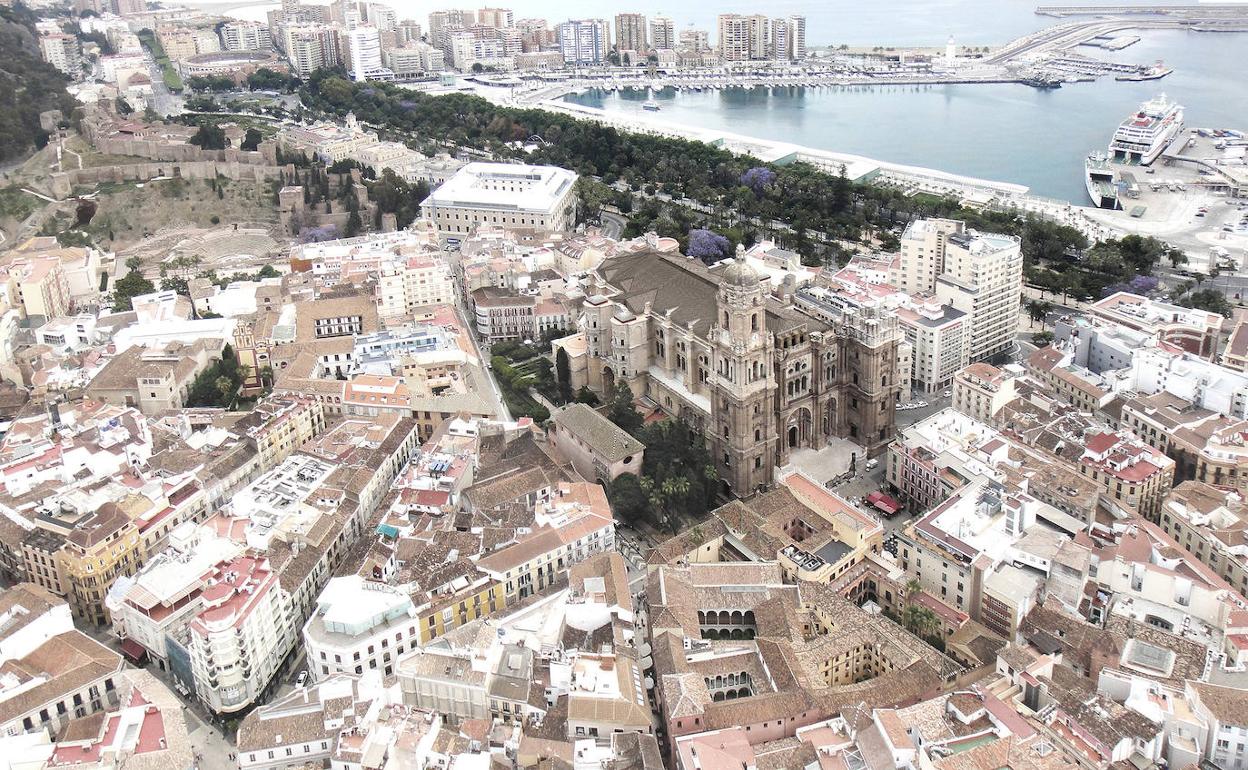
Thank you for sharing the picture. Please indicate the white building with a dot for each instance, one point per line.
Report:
(63, 52)
(939, 337)
(167, 594)
(503, 194)
(245, 36)
(584, 41)
(359, 625)
(242, 634)
(662, 33)
(365, 43)
(980, 274)
(406, 284)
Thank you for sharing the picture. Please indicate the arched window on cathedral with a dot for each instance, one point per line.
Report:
(754, 322)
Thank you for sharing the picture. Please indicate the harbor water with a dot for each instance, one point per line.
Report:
(1006, 132)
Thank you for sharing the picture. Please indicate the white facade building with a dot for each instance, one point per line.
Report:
(662, 33)
(503, 194)
(359, 625)
(245, 36)
(584, 41)
(365, 43)
(406, 284)
(242, 634)
(980, 274)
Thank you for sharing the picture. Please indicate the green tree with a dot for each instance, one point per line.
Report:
(251, 140)
(209, 137)
(563, 375)
(622, 412)
(629, 501)
(125, 289)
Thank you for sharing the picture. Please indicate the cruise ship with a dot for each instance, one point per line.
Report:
(1102, 181)
(1144, 135)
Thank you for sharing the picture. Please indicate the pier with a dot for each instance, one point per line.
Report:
(1239, 10)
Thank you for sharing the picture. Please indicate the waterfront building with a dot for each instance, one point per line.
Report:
(744, 38)
(662, 33)
(759, 378)
(584, 41)
(503, 194)
(245, 36)
(979, 274)
(535, 35)
(630, 32)
(797, 38)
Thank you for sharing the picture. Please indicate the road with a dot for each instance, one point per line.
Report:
(162, 99)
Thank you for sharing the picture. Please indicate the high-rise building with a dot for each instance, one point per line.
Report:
(383, 17)
(365, 43)
(694, 40)
(131, 7)
(534, 34)
(780, 39)
(630, 32)
(584, 41)
(662, 33)
(980, 274)
(742, 38)
(797, 37)
(442, 22)
(310, 47)
(62, 51)
(245, 36)
(496, 17)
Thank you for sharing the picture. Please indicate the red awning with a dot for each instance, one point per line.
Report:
(885, 503)
(136, 652)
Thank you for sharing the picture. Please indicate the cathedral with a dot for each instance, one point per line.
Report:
(759, 377)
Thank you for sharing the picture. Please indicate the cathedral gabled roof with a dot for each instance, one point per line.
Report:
(686, 287)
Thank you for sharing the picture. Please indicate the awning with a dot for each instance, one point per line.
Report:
(885, 503)
(134, 651)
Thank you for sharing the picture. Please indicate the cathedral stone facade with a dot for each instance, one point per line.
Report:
(756, 375)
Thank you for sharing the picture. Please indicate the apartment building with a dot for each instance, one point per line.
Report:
(979, 274)
(53, 673)
(358, 626)
(245, 36)
(1207, 521)
(630, 32)
(240, 637)
(981, 391)
(63, 52)
(403, 285)
(939, 340)
(584, 42)
(157, 604)
(661, 33)
(573, 525)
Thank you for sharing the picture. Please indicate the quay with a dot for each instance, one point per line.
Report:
(1220, 9)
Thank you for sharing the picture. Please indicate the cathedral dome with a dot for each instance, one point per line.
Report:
(740, 275)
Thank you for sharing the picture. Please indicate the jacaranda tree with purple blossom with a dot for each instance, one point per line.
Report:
(318, 234)
(758, 179)
(708, 246)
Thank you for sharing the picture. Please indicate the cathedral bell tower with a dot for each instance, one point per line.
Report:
(742, 414)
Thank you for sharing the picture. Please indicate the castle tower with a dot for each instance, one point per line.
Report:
(741, 429)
